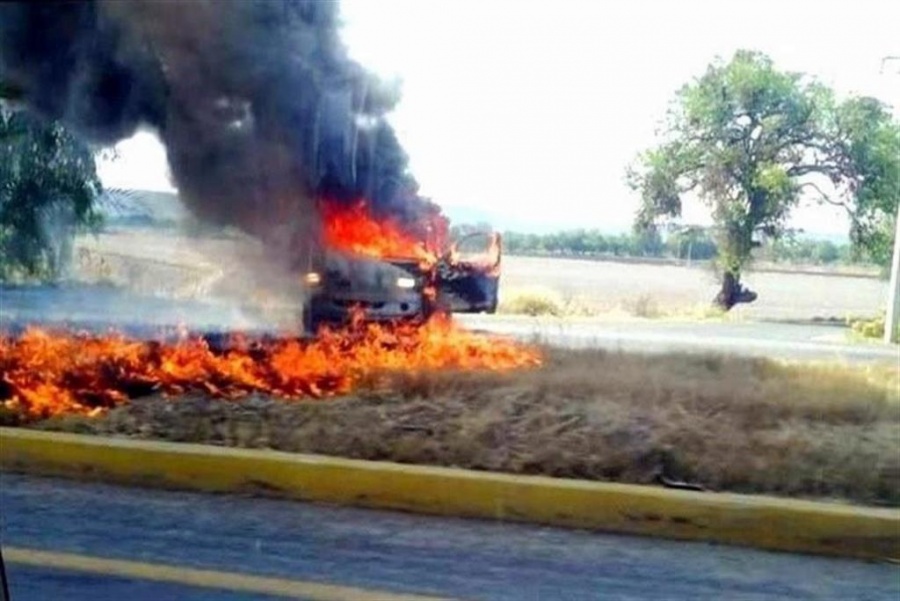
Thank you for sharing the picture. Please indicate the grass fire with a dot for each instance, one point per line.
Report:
(379, 301)
(47, 373)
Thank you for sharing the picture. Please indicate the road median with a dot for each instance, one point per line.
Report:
(757, 521)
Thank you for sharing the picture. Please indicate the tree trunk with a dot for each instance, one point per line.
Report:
(725, 299)
(732, 292)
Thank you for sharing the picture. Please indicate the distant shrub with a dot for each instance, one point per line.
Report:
(644, 305)
(869, 328)
(532, 302)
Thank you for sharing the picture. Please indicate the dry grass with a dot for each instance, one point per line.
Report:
(870, 328)
(144, 276)
(606, 286)
(534, 301)
(726, 423)
(538, 301)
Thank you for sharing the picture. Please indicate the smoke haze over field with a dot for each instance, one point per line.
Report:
(259, 106)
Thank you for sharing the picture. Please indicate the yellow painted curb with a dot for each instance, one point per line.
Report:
(764, 522)
(227, 581)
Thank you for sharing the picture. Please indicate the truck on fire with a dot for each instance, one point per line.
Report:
(385, 273)
(464, 278)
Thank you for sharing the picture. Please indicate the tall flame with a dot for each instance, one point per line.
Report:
(49, 373)
(353, 229)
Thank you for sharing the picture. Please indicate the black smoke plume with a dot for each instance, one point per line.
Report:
(260, 107)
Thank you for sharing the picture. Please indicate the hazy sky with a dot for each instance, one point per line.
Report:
(531, 110)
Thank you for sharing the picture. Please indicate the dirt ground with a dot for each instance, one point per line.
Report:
(228, 268)
(609, 286)
(744, 425)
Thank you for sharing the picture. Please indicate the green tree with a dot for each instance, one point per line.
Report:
(826, 252)
(867, 148)
(750, 141)
(692, 242)
(48, 185)
(648, 242)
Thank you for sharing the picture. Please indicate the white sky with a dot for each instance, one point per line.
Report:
(531, 110)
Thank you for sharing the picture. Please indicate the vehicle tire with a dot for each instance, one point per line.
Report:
(434, 306)
(309, 323)
(495, 298)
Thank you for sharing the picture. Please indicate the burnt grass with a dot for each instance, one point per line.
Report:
(726, 424)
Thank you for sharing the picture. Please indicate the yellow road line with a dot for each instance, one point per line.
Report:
(230, 581)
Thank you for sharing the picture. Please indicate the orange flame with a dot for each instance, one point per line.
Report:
(50, 373)
(354, 230)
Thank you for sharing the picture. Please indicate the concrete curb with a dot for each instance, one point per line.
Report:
(763, 522)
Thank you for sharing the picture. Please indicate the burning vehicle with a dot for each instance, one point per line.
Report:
(270, 127)
(378, 272)
(264, 115)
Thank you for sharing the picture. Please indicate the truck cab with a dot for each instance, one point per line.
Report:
(379, 289)
(465, 279)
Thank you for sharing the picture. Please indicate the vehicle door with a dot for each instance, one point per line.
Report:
(469, 282)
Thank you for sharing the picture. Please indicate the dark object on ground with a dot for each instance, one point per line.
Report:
(733, 293)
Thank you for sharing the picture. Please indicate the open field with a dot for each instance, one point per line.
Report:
(634, 288)
(169, 263)
(743, 425)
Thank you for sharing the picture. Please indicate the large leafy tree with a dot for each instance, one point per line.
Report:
(867, 146)
(751, 141)
(48, 185)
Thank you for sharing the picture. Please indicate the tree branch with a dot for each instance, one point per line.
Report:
(822, 168)
(824, 197)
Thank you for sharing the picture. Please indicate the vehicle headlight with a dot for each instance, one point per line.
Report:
(406, 283)
(312, 279)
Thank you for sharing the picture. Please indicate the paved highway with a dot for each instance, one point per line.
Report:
(814, 342)
(100, 308)
(382, 554)
(109, 306)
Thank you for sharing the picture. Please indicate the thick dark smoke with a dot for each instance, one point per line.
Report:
(257, 101)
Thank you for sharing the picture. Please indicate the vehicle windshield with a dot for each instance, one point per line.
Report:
(473, 245)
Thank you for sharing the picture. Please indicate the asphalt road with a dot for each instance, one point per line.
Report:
(813, 342)
(101, 308)
(385, 551)
(109, 306)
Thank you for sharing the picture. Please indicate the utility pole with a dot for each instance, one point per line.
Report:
(892, 318)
